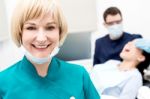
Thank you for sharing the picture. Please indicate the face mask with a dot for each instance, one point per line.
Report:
(115, 31)
(41, 60)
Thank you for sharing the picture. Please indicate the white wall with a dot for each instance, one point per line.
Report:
(9, 53)
(3, 22)
(80, 15)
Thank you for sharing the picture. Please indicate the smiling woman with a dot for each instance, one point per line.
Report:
(40, 36)
(39, 27)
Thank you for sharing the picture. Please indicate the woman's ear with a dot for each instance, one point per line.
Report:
(141, 58)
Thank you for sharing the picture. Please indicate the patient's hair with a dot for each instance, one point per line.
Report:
(144, 65)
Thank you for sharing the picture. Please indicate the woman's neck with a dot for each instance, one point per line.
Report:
(42, 69)
(127, 65)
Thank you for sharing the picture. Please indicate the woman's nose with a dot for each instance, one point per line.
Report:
(41, 36)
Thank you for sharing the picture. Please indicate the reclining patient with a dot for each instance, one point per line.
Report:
(123, 79)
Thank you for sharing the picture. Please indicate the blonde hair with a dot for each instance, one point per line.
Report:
(30, 9)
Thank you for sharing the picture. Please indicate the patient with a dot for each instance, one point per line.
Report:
(123, 79)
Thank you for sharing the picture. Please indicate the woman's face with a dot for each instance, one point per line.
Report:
(40, 36)
(130, 52)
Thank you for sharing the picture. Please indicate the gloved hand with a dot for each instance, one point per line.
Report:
(143, 44)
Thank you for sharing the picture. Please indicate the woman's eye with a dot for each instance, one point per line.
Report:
(50, 27)
(31, 28)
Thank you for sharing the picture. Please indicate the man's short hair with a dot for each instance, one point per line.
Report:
(111, 11)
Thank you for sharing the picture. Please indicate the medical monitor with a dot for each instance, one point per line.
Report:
(76, 46)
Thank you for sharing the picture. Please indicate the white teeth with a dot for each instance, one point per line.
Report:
(43, 46)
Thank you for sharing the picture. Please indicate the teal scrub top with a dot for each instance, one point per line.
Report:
(63, 81)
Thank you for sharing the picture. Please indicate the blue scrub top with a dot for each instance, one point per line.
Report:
(63, 81)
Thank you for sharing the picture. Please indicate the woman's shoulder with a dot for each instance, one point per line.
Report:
(136, 73)
(7, 76)
(135, 77)
(8, 71)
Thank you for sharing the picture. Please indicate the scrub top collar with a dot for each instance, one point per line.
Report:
(29, 68)
(28, 75)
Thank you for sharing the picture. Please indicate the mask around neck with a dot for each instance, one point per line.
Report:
(115, 31)
(40, 60)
